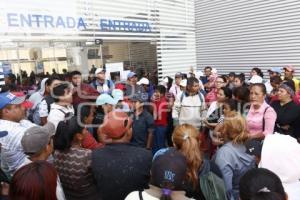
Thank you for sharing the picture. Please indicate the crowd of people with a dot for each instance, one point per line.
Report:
(197, 135)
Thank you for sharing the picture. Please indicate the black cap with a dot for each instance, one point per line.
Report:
(168, 168)
(254, 147)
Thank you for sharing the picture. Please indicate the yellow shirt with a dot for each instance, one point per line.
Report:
(296, 82)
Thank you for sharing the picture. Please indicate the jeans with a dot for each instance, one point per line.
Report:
(159, 138)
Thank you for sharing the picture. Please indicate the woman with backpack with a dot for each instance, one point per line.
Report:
(231, 158)
(185, 139)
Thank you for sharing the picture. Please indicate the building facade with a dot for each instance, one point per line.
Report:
(150, 35)
(239, 35)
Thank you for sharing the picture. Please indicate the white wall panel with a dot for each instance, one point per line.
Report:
(238, 35)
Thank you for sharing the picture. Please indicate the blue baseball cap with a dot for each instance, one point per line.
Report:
(131, 74)
(7, 98)
(117, 94)
(276, 69)
(105, 99)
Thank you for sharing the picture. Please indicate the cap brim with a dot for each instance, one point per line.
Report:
(27, 104)
(288, 69)
(18, 100)
(3, 133)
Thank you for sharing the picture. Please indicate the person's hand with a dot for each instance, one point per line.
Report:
(217, 138)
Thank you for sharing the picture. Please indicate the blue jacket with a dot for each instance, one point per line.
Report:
(233, 161)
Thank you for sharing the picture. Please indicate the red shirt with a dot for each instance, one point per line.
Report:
(86, 94)
(160, 112)
(89, 142)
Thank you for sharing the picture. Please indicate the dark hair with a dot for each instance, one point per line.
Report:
(170, 82)
(161, 89)
(65, 133)
(35, 181)
(232, 74)
(227, 92)
(191, 80)
(74, 73)
(223, 78)
(261, 86)
(241, 77)
(231, 103)
(59, 91)
(276, 80)
(290, 83)
(241, 93)
(84, 112)
(51, 79)
(261, 184)
(208, 67)
(258, 71)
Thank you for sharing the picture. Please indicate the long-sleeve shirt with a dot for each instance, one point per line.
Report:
(84, 94)
(233, 161)
(189, 109)
(255, 120)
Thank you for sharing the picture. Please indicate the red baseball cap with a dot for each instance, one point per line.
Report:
(289, 68)
(116, 124)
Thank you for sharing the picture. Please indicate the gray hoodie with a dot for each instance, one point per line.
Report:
(233, 162)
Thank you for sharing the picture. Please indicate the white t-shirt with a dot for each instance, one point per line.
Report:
(58, 113)
(154, 193)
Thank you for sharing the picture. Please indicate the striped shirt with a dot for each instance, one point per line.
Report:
(2, 82)
(12, 153)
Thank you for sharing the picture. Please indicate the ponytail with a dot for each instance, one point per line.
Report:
(166, 194)
(185, 139)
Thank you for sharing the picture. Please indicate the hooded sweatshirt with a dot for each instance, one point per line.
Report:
(280, 154)
(234, 162)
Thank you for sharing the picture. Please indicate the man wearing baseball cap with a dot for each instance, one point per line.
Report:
(131, 86)
(12, 120)
(37, 144)
(175, 89)
(289, 75)
(101, 84)
(120, 168)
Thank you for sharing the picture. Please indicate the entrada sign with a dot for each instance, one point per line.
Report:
(69, 22)
(122, 25)
(44, 21)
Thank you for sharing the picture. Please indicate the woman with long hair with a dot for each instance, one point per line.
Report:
(231, 158)
(185, 139)
(77, 180)
(34, 181)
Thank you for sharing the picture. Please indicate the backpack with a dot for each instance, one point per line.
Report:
(200, 96)
(68, 115)
(34, 115)
(212, 186)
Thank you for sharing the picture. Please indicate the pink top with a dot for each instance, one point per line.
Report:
(255, 119)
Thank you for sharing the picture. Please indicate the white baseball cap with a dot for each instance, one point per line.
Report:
(143, 81)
